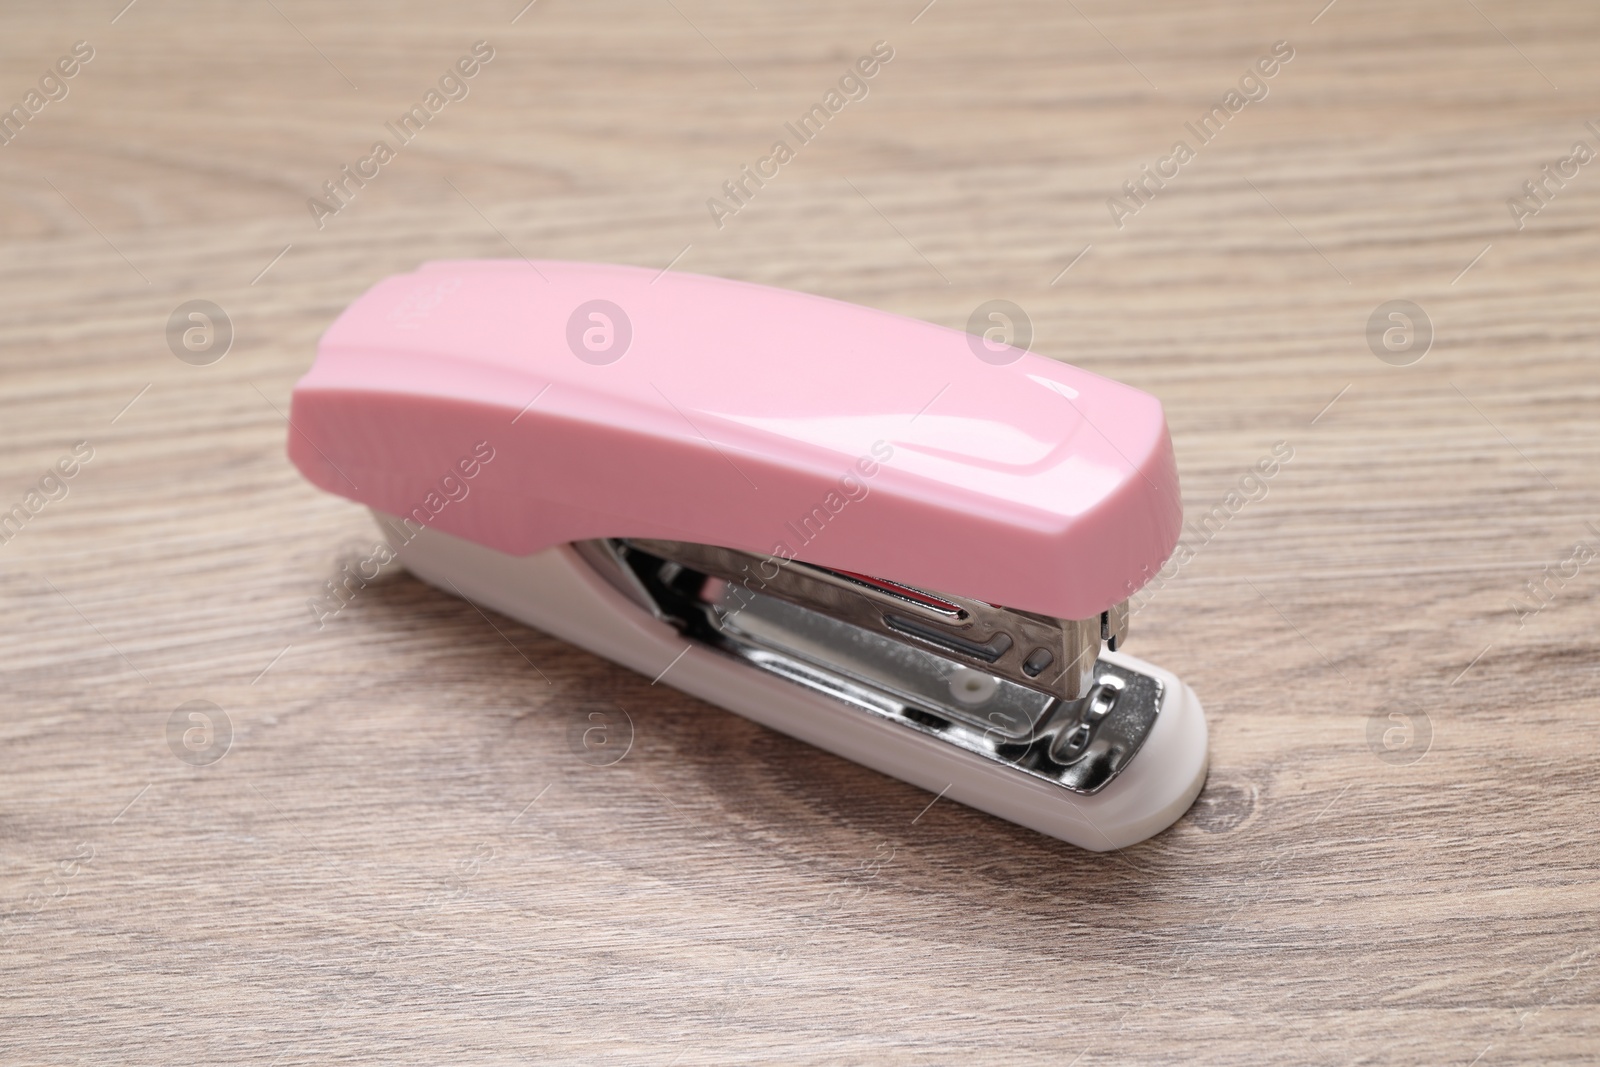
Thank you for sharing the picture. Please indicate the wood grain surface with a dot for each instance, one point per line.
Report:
(402, 859)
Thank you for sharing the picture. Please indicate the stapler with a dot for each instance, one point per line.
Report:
(898, 542)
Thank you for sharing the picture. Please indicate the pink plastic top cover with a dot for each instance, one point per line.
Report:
(525, 404)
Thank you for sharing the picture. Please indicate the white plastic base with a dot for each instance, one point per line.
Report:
(557, 592)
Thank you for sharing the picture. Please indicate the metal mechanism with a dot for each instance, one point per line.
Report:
(1053, 656)
(1022, 689)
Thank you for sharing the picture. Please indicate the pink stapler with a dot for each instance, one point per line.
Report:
(898, 542)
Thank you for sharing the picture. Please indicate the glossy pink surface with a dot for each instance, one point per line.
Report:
(739, 415)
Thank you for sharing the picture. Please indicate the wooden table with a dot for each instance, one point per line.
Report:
(402, 859)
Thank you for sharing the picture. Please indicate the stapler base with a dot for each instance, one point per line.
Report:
(559, 592)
